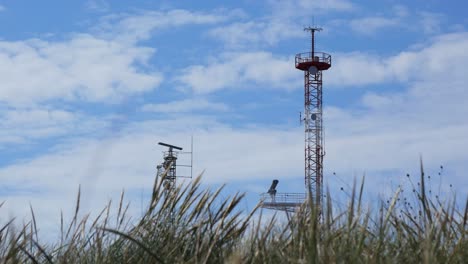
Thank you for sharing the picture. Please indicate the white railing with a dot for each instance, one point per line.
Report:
(316, 57)
(296, 198)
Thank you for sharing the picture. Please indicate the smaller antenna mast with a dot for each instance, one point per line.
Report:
(167, 169)
(191, 157)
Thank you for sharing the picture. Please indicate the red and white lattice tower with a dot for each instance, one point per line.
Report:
(312, 64)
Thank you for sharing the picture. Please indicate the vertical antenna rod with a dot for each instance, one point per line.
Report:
(191, 157)
(312, 34)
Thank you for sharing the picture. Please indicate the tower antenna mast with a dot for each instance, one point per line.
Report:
(312, 31)
(167, 170)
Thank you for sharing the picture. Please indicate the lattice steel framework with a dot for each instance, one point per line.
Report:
(313, 153)
(313, 63)
(167, 170)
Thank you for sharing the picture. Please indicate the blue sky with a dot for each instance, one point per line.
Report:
(88, 88)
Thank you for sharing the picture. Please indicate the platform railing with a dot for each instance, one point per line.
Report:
(317, 57)
(296, 198)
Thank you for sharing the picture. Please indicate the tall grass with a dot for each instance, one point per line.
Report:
(195, 225)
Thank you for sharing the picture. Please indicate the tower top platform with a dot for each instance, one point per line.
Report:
(321, 60)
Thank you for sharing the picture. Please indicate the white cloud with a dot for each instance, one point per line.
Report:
(257, 70)
(304, 8)
(23, 126)
(376, 101)
(184, 106)
(398, 17)
(370, 25)
(132, 28)
(430, 22)
(281, 24)
(393, 127)
(105, 66)
(443, 59)
(401, 10)
(392, 137)
(97, 5)
(83, 67)
(246, 34)
(354, 69)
